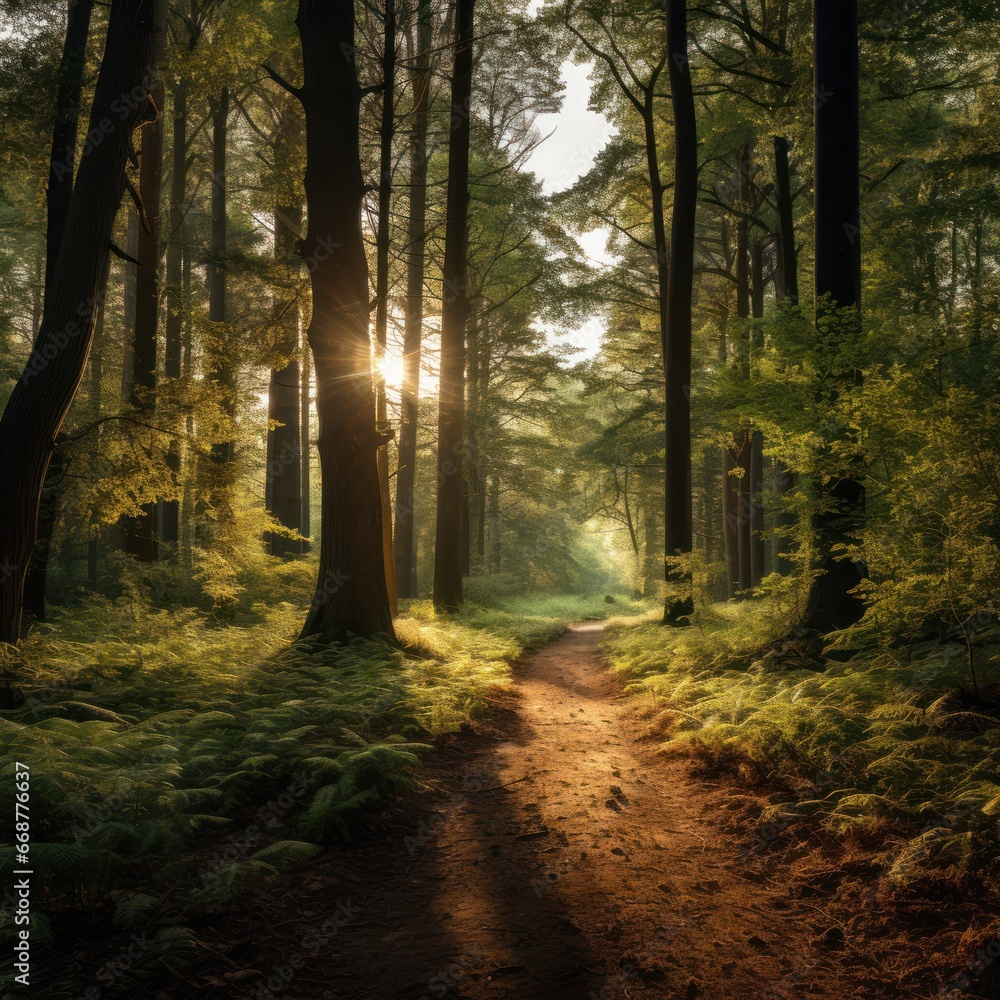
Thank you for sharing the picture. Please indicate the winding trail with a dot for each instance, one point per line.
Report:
(558, 857)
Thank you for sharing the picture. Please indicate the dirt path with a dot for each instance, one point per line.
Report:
(560, 857)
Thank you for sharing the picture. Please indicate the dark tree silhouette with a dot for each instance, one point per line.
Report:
(414, 316)
(677, 335)
(350, 596)
(454, 313)
(838, 285)
(42, 396)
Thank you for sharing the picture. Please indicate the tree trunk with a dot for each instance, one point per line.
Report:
(63, 155)
(305, 437)
(283, 475)
(382, 240)
(58, 196)
(730, 521)
(284, 449)
(42, 397)
(94, 393)
(756, 508)
(170, 509)
(680, 289)
(405, 551)
(788, 287)
(221, 372)
(745, 514)
(756, 483)
(454, 312)
(351, 597)
(139, 531)
(838, 275)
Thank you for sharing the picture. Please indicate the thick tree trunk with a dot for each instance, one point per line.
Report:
(41, 398)
(63, 156)
(284, 447)
(405, 549)
(454, 312)
(680, 289)
(382, 240)
(60, 190)
(351, 597)
(838, 275)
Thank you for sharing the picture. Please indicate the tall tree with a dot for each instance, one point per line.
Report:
(42, 396)
(57, 199)
(413, 319)
(831, 604)
(284, 446)
(221, 371)
(351, 597)
(677, 335)
(140, 530)
(454, 314)
(67, 116)
(383, 236)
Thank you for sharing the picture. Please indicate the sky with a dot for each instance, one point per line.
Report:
(574, 137)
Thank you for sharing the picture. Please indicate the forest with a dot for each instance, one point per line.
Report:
(499, 499)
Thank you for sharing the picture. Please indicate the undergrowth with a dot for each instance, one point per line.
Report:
(174, 757)
(888, 745)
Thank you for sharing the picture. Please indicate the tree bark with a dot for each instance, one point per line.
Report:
(744, 514)
(351, 598)
(58, 195)
(756, 481)
(786, 289)
(680, 289)
(382, 240)
(41, 398)
(730, 521)
(305, 438)
(838, 275)
(63, 156)
(405, 549)
(139, 531)
(447, 590)
(170, 509)
(221, 372)
(284, 446)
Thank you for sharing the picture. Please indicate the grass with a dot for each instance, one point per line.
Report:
(173, 757)
(883, 747)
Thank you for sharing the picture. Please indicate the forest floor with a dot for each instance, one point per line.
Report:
(553, 853)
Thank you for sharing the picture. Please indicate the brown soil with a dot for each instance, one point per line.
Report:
(557, 855)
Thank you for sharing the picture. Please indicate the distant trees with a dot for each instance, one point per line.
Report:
(204, 461)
